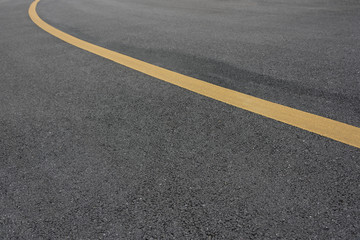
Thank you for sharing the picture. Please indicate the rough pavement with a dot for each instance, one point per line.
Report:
(92, 150)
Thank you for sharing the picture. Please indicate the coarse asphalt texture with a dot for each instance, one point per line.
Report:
(90, 149)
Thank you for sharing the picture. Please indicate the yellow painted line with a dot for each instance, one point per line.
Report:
(323, 126)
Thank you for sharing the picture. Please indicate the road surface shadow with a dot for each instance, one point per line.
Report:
(229, 76)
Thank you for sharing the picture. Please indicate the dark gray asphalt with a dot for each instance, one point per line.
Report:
(92, 150)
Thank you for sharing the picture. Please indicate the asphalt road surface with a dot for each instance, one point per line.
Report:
(90, 149)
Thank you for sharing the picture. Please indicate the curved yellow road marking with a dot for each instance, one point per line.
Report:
(323, 126)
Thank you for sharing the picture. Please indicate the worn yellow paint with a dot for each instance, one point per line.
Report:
(320, 125)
